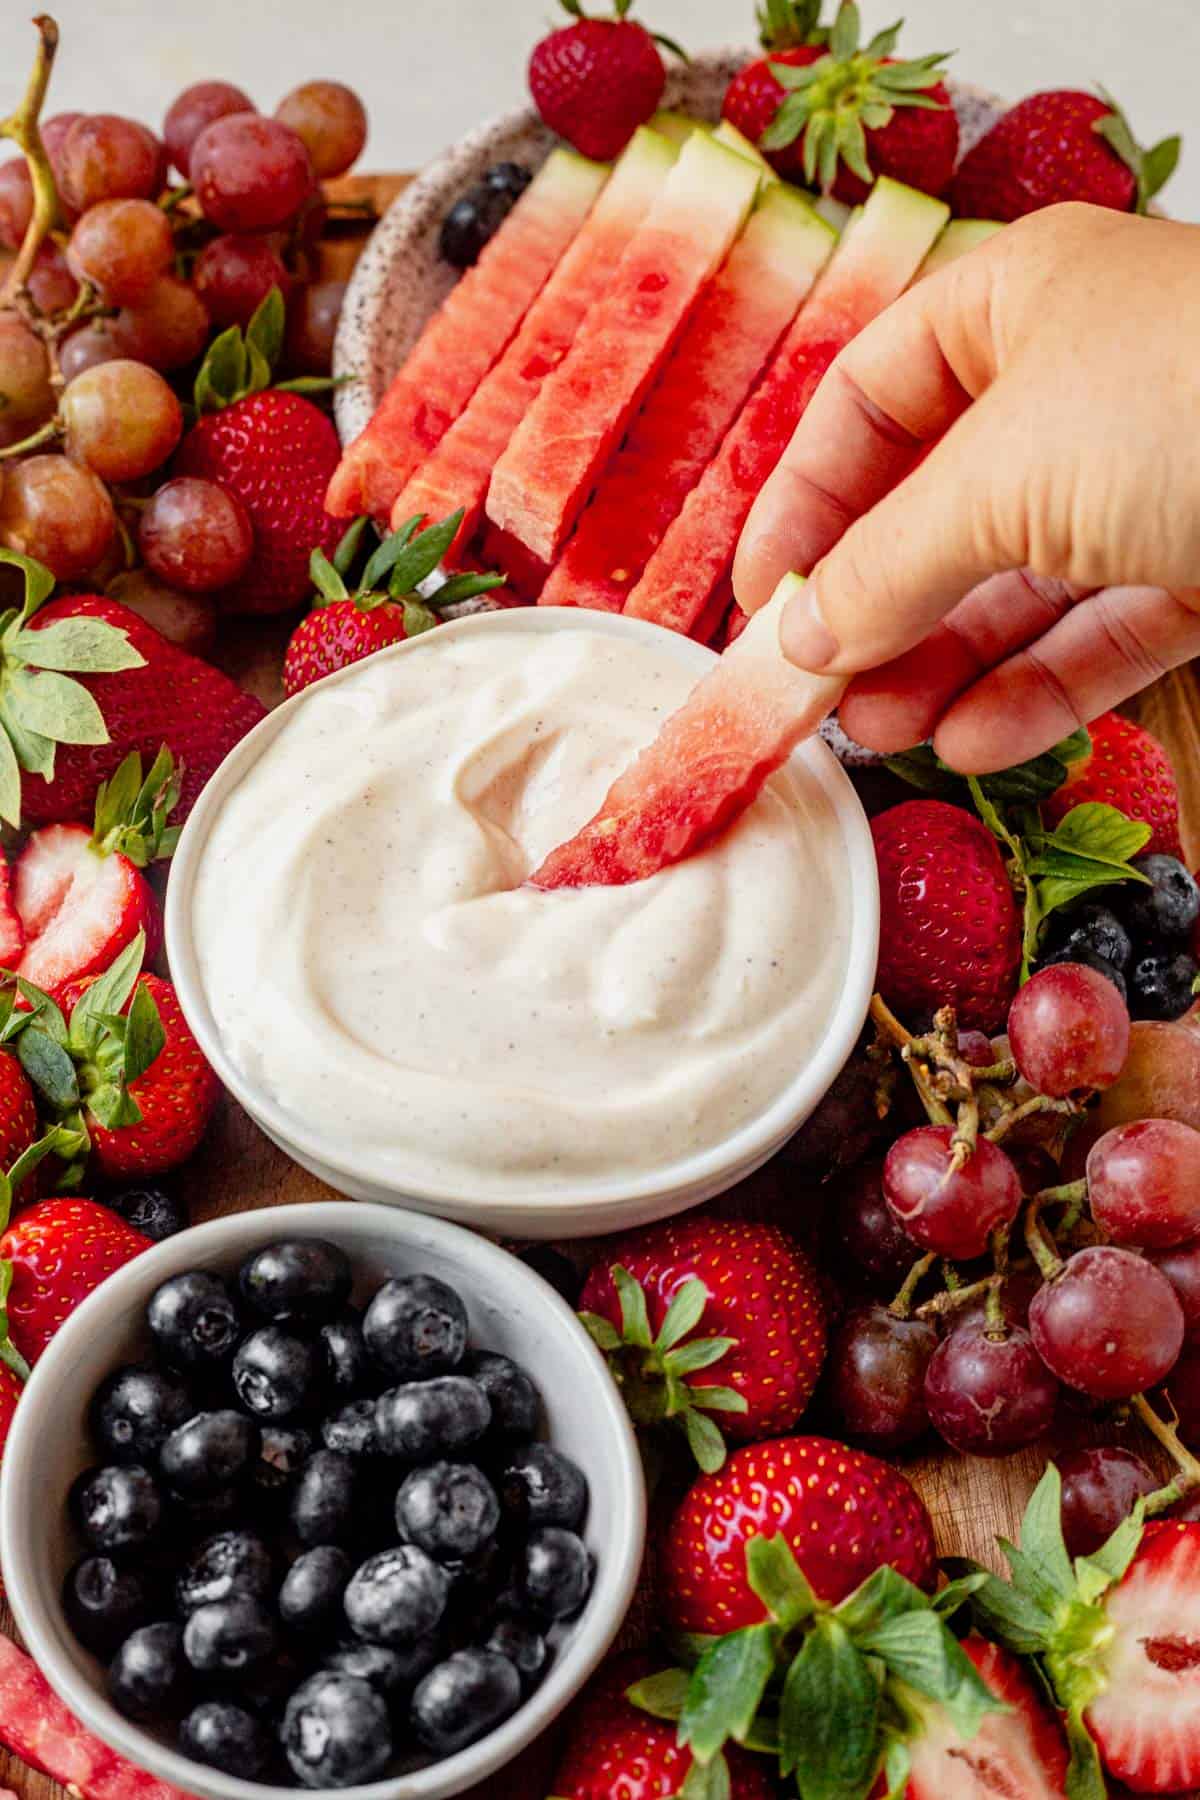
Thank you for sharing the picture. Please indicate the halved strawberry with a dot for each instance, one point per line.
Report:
(1020, 1754)
(12, 935)
(80, 895)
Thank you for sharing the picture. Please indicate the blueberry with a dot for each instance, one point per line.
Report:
(336, 1732)
(263, 1689)
(231, 1565)
(471, 224)
(525, 1648)
(449, 1510)
(1090, 960)
(228, 1635)
(352, 1431)
(209, 1452)
(148, 1677)
(193, 1321)
(104, 1602)
(226, 1737)
(425, 1418)
(276, 1374)
(555, 1573)
(200, 1515)
(134, 1412)
(415, 1326)
(1097, 930)
(157, 1212)
(1160, 984)
(298, 1278)
(323, 1502)
(347, 1365)
(390, 1671)
(555, 1268)
(285, 1450)
(1170, 906)
(396, 1597)
(464, 1698)
(311, 1595)
(118, 1508)
(513, 1397)
(508, 178)
(541, 1486)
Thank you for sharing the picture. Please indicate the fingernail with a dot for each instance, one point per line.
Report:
(804, 636)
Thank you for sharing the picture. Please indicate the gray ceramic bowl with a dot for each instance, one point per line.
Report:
(511, 1310)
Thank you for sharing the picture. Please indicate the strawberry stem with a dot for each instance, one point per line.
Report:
(22, 127)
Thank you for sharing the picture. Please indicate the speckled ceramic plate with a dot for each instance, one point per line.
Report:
(401, 279)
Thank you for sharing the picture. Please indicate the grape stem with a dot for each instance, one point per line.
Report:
(45, 434)
(1042, 1247)
(22, 127)
(901, 1307)
(893, 1032)
(1187, 1477)
(1029, 1109)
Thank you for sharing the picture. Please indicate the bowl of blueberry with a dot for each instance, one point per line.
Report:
(326, 1497)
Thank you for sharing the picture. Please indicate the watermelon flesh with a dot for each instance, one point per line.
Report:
(733, 328)
(875, 261)
(525, 573)
(458, 471)
(543, 480)
(37, 1727)
(739, 724)
(465, 337)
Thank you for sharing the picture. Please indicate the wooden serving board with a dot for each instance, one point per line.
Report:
(237, 1169)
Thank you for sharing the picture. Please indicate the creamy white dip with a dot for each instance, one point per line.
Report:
(374, 964)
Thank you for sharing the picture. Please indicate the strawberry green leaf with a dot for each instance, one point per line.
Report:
(384, 558)
(54, 706)
(717, 1399)
(49, 1068)
(222, 374)
(778, 1580)
(796, 79)
(699, 1353)
(683, 1314)
(145, 1038)
(919, 1649)
(465, 587)
(264, 333)
(956, 1593)
(603, 1334)
(421, 557)
(1013, 1616)
(1118, 1551)
(662, 1696)
(417, 617)
(846, 35)
(39, 582)
(40, 1008)
(10, 780)
(707, 1781)
(1085, 1775)
(1152, 169)
(635, 1320)
(671, 45)
(829, 1717)
(897, 1767)
(852, 147)
(1101, 833)
(704, 1440)
(326, 579)
(107, 994)
(726, 1689)
(1158, 165)
(885, 1594)
(112, 1107)
(82, 646)
(348, 544)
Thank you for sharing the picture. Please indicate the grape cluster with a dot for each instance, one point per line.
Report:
(1090, 1286)
(100, 334)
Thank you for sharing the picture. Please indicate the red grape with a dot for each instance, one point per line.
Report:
(332, 122)
(1099, 1488)
(1144, 1183)
(58, 513)
(234, 275)
(196, 108)
(182, 618)
(877, 1373)
(312, 325)
(52, 287)
(864, 1229)
(1160, 1080)
(1182, 1388)
(1109, 1324)
(195, 536)
(106, 157)
(988, 1394)
(87, 347)
(1068, 1029)
(944, 1209)
(1182, 1269)
(54, 135)
(26, 397)
(16, 201)
(121, 247)
(250, 173)
(121, 419)
(168, 327)
(975, 1047)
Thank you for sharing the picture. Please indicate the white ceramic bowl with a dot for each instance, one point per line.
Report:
(511, 1310)
(578, 1208)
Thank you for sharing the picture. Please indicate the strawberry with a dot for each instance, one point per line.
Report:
(81, 895)
(384, 608)
(840, 114)
(139, 1098)
(59, 1251)
(596, 81)
(1016, 1755)
(756, 1295)
(843, 1513)
(1060, 145)
(950, 931)
(1129, 769)
(11, 1389)
(12, 933)
(273, 450)
(18, 1112)
(616, 1752)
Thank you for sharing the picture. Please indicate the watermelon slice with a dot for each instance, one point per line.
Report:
(959, 236)
(525, 573)
(739, 724)
(457, 473)
(465, 337)
(542, 482)
(38, 1728)
(733, 328)
(876, 260)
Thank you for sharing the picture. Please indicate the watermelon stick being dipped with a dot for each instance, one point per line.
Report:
(465, 337)
(738, 725)
(541, 483)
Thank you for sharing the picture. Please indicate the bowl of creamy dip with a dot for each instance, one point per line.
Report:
(357, 951)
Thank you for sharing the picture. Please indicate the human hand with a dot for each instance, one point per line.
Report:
(997, 490)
